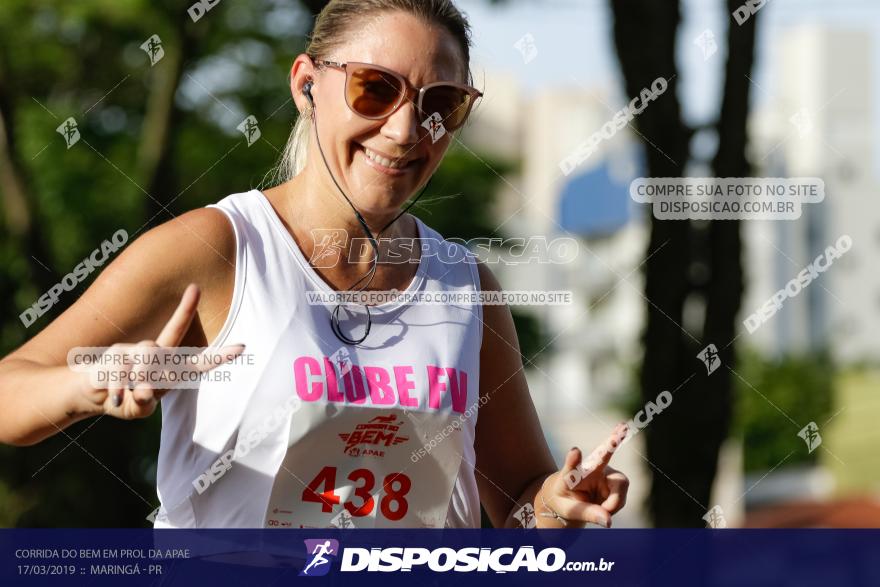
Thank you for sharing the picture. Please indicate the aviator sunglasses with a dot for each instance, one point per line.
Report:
(374, 92)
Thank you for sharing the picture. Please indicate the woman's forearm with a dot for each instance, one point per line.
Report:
(39, 401)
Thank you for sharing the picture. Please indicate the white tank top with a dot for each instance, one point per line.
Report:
(306, 431)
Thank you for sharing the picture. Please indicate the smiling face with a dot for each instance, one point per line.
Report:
(380, 163)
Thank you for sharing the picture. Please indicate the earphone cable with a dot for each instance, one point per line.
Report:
(334, 317)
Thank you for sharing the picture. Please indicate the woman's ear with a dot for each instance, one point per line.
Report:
(302, 74)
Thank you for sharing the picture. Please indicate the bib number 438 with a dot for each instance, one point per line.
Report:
(392, 505)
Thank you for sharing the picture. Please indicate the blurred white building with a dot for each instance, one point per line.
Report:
(819, 123)
(594, 340)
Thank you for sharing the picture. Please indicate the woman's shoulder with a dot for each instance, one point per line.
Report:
(193, 247)
(203, 232)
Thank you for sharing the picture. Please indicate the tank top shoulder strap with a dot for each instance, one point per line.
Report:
(453, 265)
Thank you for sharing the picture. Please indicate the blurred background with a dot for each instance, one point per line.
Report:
(778, 431)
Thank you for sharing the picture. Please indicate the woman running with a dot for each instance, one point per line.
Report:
(325, 411)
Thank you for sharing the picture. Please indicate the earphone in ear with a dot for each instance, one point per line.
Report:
(307, 91)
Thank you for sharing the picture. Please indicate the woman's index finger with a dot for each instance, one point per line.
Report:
(177, 326)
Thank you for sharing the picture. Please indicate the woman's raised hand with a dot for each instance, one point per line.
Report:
(129, 379)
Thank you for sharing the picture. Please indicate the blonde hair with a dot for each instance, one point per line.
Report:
(331, 26)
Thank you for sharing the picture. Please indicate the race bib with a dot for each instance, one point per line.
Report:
(377, 467)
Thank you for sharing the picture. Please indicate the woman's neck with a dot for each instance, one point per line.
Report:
(309, 211)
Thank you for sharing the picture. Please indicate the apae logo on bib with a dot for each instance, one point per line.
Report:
(366, 439)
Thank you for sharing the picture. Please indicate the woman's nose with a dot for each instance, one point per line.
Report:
(402, 126)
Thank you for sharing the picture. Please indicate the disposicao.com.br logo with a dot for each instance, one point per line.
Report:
(444, 559)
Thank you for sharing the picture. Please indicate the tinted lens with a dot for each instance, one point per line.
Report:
(372, 93)
(451, 102)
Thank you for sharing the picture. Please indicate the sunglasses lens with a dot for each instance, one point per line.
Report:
(451, 102)
(373, 93)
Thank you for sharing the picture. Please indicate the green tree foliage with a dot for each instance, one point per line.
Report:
(775, 400)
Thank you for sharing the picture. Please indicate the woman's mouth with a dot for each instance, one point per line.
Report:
(387, 165)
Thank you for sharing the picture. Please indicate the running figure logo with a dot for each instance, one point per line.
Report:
(154, 50)
(69, 131)
(250, 129)
(715, 518)
(710, 358)
(318, 551)
(329, 247)
(526, 516)
(527, 48)
(706, 43)
(810, 434)
(342, 520)
(434, 124)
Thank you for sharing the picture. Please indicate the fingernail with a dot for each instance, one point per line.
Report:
(117, 400)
